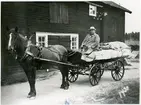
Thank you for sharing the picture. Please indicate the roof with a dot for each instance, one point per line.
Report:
(113, 4)
(93, 4)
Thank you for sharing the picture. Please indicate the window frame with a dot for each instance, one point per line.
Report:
(41, 35)
(94, 8)
(72, 35)
(42, 42)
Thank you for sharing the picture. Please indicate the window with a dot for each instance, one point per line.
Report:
(58, 13)
(68, 40)
(41, 40)
(74, 43)
(92, 10)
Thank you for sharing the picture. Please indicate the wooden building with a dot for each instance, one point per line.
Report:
(64, 23)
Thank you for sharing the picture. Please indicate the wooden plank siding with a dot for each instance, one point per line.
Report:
(114, 17)
(112, 21)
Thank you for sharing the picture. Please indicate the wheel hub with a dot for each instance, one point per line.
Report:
(72, 73)
(117, 70)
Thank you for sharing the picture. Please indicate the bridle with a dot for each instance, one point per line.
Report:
(14, 50)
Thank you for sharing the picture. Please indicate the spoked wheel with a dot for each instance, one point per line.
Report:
(95, 75)
(118, 71)
(102, 69)
(73, 75)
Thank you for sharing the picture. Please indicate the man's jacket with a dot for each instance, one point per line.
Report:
(91, 42)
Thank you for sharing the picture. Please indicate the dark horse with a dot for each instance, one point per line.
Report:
(18, 45)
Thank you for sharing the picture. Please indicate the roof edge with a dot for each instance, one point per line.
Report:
(88, 2)
(113, 4)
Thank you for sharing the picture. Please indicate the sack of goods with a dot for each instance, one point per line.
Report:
(113, 50)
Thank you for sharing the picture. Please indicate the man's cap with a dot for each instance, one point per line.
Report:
(92, 28)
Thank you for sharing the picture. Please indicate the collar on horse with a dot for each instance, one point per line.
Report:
(17, 57)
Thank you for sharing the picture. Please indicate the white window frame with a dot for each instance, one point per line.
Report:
(91, 9)
(77, 41)
(40, 34)
(46, 34)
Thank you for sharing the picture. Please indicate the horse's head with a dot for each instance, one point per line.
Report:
(12, 33)
(15, 39)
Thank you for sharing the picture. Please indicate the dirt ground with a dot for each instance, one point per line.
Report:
(80, 92)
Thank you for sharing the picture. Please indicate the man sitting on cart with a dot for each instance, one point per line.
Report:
(91, 41)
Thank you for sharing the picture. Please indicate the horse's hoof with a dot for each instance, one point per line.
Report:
(62, 86)
(31, 96)
(66, 88)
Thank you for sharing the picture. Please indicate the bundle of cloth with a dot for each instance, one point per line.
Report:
(108, 51)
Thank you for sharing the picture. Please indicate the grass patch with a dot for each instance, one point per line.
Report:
(111, 94)
(131, 96)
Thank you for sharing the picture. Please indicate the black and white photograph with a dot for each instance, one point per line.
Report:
(70, 52)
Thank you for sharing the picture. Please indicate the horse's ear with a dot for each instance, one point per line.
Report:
(7, 28)
(16, 29)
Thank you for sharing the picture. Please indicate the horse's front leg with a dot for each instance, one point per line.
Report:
(31, 75)
(32, 80)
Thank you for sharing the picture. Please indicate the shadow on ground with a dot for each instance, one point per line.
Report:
(20, 77)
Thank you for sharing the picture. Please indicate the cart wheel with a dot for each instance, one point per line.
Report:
(73, 75)
(102, 69)
(118, 71)
(95, 75)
